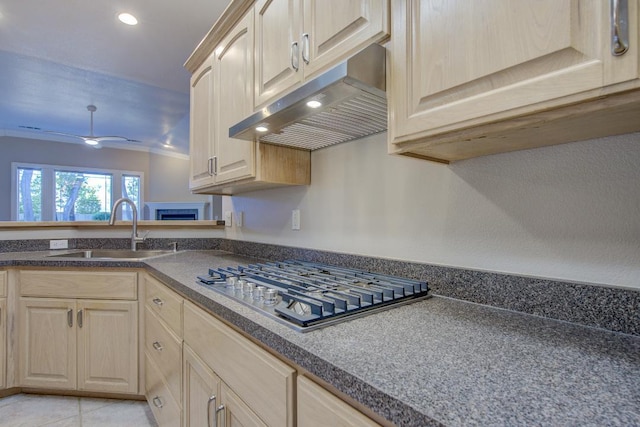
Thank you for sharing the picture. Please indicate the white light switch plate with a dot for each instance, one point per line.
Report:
(58, 244)
(227, 219)
(295, 219)
(239, 218)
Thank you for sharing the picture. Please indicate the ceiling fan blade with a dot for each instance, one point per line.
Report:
(64, 134)
(113, 138)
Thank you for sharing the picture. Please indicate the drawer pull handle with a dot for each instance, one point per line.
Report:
(158, 302)
(157, 402)
(157, 346)
(211, 399)
(619, 27)
(70, 318)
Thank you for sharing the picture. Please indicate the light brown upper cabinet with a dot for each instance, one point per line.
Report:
(221, 96)
(474, 78)
(296, 40)
(201, 123)
(234, 158)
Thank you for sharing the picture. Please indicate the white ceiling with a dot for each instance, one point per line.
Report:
(58, 56)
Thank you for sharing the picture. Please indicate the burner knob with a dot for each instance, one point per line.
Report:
(248, 288)
(240, 285)
(258, 293)
(231, 282)
(270, 296)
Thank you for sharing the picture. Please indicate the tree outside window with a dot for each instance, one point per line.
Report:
(81, 196)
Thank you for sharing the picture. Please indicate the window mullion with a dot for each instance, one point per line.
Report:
(48, 194)
(116, 192)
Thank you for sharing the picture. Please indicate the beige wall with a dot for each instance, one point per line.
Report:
(166, 178)
(569, 212)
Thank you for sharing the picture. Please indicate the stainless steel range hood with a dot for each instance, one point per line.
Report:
(353, 101)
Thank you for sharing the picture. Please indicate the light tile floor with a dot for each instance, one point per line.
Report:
(32, 410)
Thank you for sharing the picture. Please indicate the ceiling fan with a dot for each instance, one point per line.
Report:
(92, 139)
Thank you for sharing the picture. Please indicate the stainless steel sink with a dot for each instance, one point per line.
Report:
(124, 254)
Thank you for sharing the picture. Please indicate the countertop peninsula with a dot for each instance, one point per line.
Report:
(438, 361)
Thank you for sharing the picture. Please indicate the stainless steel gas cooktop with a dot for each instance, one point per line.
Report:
(306, 295)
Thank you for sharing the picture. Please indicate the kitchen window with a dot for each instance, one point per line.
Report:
(64, 193)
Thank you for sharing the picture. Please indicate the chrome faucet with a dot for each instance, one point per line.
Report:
(134, 232)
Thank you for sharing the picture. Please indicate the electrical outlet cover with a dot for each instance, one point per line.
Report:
(227, 219)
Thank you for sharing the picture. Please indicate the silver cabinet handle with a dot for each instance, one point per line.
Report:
(210, 166)
(619, 27)
(158, 302)
(157, 402)
(305, 48)
(70, 318)
(79, 318)
(218, 409)
(215, 165)
(215, 419)
(294, 56)
(157, 346)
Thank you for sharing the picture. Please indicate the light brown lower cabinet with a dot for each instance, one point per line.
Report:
(87, 343)
(318, 407)
(79, 344)
(253, 387)
(165, 409)
(3, 342)
(210, 402)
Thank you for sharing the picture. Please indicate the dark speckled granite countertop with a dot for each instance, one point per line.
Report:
(434, 362)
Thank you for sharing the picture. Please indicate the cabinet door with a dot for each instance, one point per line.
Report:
(47, 343)
(3, 342)
(108, 346)
(264, 382)
(236, 413)
(233, 71)
(201, 132)
(201, 392)
(278, 25)
(318, 407)
(337, 29)
(457, 64)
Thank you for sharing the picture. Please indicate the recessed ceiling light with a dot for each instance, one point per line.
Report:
(314, 104)
(127, 18)
(262, 128)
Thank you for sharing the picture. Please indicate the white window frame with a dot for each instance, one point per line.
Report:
(49, 188)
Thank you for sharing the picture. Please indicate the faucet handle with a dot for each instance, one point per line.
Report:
(174, 246)
(144, 236)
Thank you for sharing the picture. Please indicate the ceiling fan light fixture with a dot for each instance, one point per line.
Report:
(91, 142)
(127, 18)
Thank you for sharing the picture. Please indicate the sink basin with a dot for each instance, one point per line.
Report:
(126, 254)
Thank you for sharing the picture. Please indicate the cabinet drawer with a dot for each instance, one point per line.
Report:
(165, 303)
(79, 284)
(166, 351)
(165, 410)
(262, 381)
(3, 284)
(318, 407)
